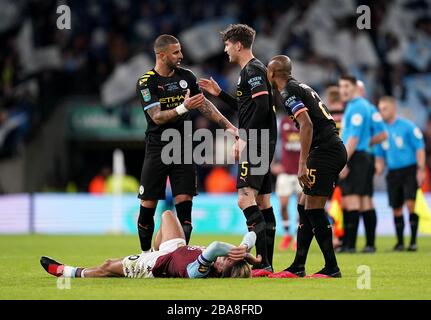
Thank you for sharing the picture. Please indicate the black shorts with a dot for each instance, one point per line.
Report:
(402, 185)
(324, 164)
(154, 175)
(370, 176)
(247, 176)
(360, 176)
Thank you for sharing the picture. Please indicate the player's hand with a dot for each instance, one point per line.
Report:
(253, 260)
(344, 172)
(194, 102)
(210, 86)
(237, 149)
(233, 131)
(420, 176)
(303, 178)
(238, 253)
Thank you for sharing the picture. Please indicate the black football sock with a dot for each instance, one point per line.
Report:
(414, 222)
(353, 229)
(323, 231)
(146, 227)
(256, 223)
(370, 223)
(269, 217)
(399, 227)
(346, 226)
(184, 214)
(303, 241)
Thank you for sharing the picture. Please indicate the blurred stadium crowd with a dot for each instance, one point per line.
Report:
(110, 44)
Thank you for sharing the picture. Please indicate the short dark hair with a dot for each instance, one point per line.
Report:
(348, 77)
(389, 99)
(163, 41)
(239, 33)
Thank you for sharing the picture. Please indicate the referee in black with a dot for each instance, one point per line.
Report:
(167, 93)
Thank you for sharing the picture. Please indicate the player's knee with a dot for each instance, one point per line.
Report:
(183, 197)
(410, 206)
(149, 203)
(263, 206)
(398, 212)
(168, 214)
(263, 203)
(244, 202)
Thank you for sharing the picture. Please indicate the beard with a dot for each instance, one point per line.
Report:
(173, 65)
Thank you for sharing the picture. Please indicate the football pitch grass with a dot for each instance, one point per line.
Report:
(393, 275)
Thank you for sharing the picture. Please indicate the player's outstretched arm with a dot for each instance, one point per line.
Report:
(161, 117)
(211, 112)
(212, 87)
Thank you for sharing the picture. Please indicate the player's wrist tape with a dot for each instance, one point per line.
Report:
(181, 109)
(249, 240)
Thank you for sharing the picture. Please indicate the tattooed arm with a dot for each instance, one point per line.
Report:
(161, 117)
(212, 113)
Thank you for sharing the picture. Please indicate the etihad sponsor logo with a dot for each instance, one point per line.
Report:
(172, 99)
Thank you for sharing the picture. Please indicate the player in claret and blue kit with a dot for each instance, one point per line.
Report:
(170, 258)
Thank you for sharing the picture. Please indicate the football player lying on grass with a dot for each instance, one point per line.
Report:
(171, 258)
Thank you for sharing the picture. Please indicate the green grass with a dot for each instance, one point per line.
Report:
(393, 275)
